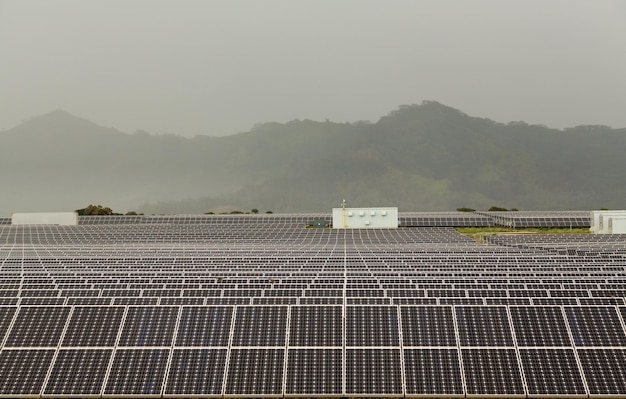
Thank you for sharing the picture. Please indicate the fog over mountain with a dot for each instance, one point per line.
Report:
(418, 157)
(218, 67)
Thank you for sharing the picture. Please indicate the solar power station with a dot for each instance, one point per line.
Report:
(264, 306)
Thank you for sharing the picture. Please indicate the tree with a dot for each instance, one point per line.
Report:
(95, 210)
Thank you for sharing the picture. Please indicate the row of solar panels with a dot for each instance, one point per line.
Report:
(177, 301)
(241, 372)
(318, 325)
(407, 219)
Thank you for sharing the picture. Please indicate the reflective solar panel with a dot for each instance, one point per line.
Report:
(256, 306)
(149, 326)
(316, 326)
(428, 326)
(551, 372)
(595, 326)
(78, 372)
(372, 326)
(38, 326)
(23, 372)
(483, 326)
(539, 326)
(260, 326)
(93, 326)
(255, 372)
(137, 372)
(492, 372)
(314, 372)
(433, 372)
(373, 371)
(196, 372)
(204, 326)
(604, 370)
(6, 315)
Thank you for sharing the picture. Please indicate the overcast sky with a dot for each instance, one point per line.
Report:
(219, 67)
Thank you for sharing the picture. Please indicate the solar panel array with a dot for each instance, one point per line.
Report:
(262, 309)
(540, 219)
(405, 219)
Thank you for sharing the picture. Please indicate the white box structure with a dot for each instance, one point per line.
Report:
(58, 218)
(363, 218)
(599, 220)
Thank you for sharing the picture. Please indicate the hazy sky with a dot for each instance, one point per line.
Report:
(219, 67)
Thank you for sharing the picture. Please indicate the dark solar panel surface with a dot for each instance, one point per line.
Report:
(314, 371)
(78, 372)
(551, 372)
(492, 372)
(23, 372)
(433, 372)
(137, 372)
(196, 372)
(187, 306)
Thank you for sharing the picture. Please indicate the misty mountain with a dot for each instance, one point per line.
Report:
(418, 157)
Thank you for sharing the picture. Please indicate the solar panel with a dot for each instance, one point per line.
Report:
(23, 372)
(492, 372)
(427, 326)
(149, 326)
(93, 326)
(314, 372)
(255, 372)
(187, 306)
(38, 326)
(78, 372)
(605, 370)
(316, 326)
(204, 326)
(373, 371)
(260, 326)
(372, 326)
(6, 315)
(196, 372)
(483, 326)
(433, 372)
(137, 372)
(595, 326)
(551, 372)
(539, 326)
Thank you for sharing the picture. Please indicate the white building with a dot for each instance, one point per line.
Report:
(361, 218)
(58, 218)
(600, 220)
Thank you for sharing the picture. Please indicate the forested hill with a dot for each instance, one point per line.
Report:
(419, 157)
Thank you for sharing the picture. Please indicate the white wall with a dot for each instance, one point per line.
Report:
(60, 218)
(617, 225)
(362, 218)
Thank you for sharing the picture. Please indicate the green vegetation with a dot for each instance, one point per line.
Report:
(500, 209)
(95, 210)
(476, 233)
